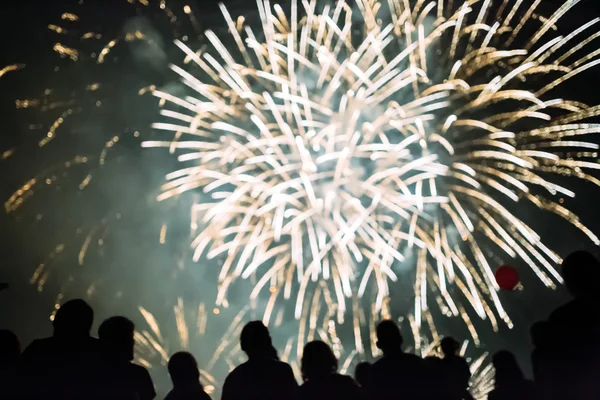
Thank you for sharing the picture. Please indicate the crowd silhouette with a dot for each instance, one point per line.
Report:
(72, 364)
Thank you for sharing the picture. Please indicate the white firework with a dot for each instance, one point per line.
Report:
(337, 139)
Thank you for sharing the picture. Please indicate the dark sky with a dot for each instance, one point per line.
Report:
(25, 39)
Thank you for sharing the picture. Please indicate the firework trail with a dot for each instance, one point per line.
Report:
(329, 148)
(10, 68)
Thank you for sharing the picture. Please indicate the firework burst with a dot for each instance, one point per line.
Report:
(340, 151)
(334, 141)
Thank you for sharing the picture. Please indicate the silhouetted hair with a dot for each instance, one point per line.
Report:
(117, 335)
(256, 340)
(318, 360)
(183, 369)
(389, 337)
(507, 368)
(10, 348)
(541, 334)
(581, 272)
(74, 318)
(362, 373)
(449, 346)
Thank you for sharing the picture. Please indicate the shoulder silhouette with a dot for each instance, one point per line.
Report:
(321, 380)
(185, 376)
(121, 379)
(262, 376)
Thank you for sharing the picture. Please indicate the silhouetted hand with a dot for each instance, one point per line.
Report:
(4, 286)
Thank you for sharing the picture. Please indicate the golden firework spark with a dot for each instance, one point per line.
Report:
(10, 68)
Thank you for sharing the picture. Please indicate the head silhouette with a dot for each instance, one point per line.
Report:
(117, 337)
(255, 340)
(362, 373)
(318, 360)
(10, 348)
(581, 272)
(449, 346)
(389, 338)
(73, 320)
(507, 368)
(541, 334)
(183, 369)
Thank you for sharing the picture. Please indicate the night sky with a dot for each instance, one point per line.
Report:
(52, 215)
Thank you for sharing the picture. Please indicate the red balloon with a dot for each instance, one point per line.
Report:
(507, 277)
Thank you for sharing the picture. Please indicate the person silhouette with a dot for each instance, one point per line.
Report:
(321, 380)
(362, 374)
(261, 377)
(510, 381)
(10, 351)
(542, 358)
(578, 372)
(396, 374)
(581, 273)
(455, 369)
(64, 366)
(121, 379)
(185, 376)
